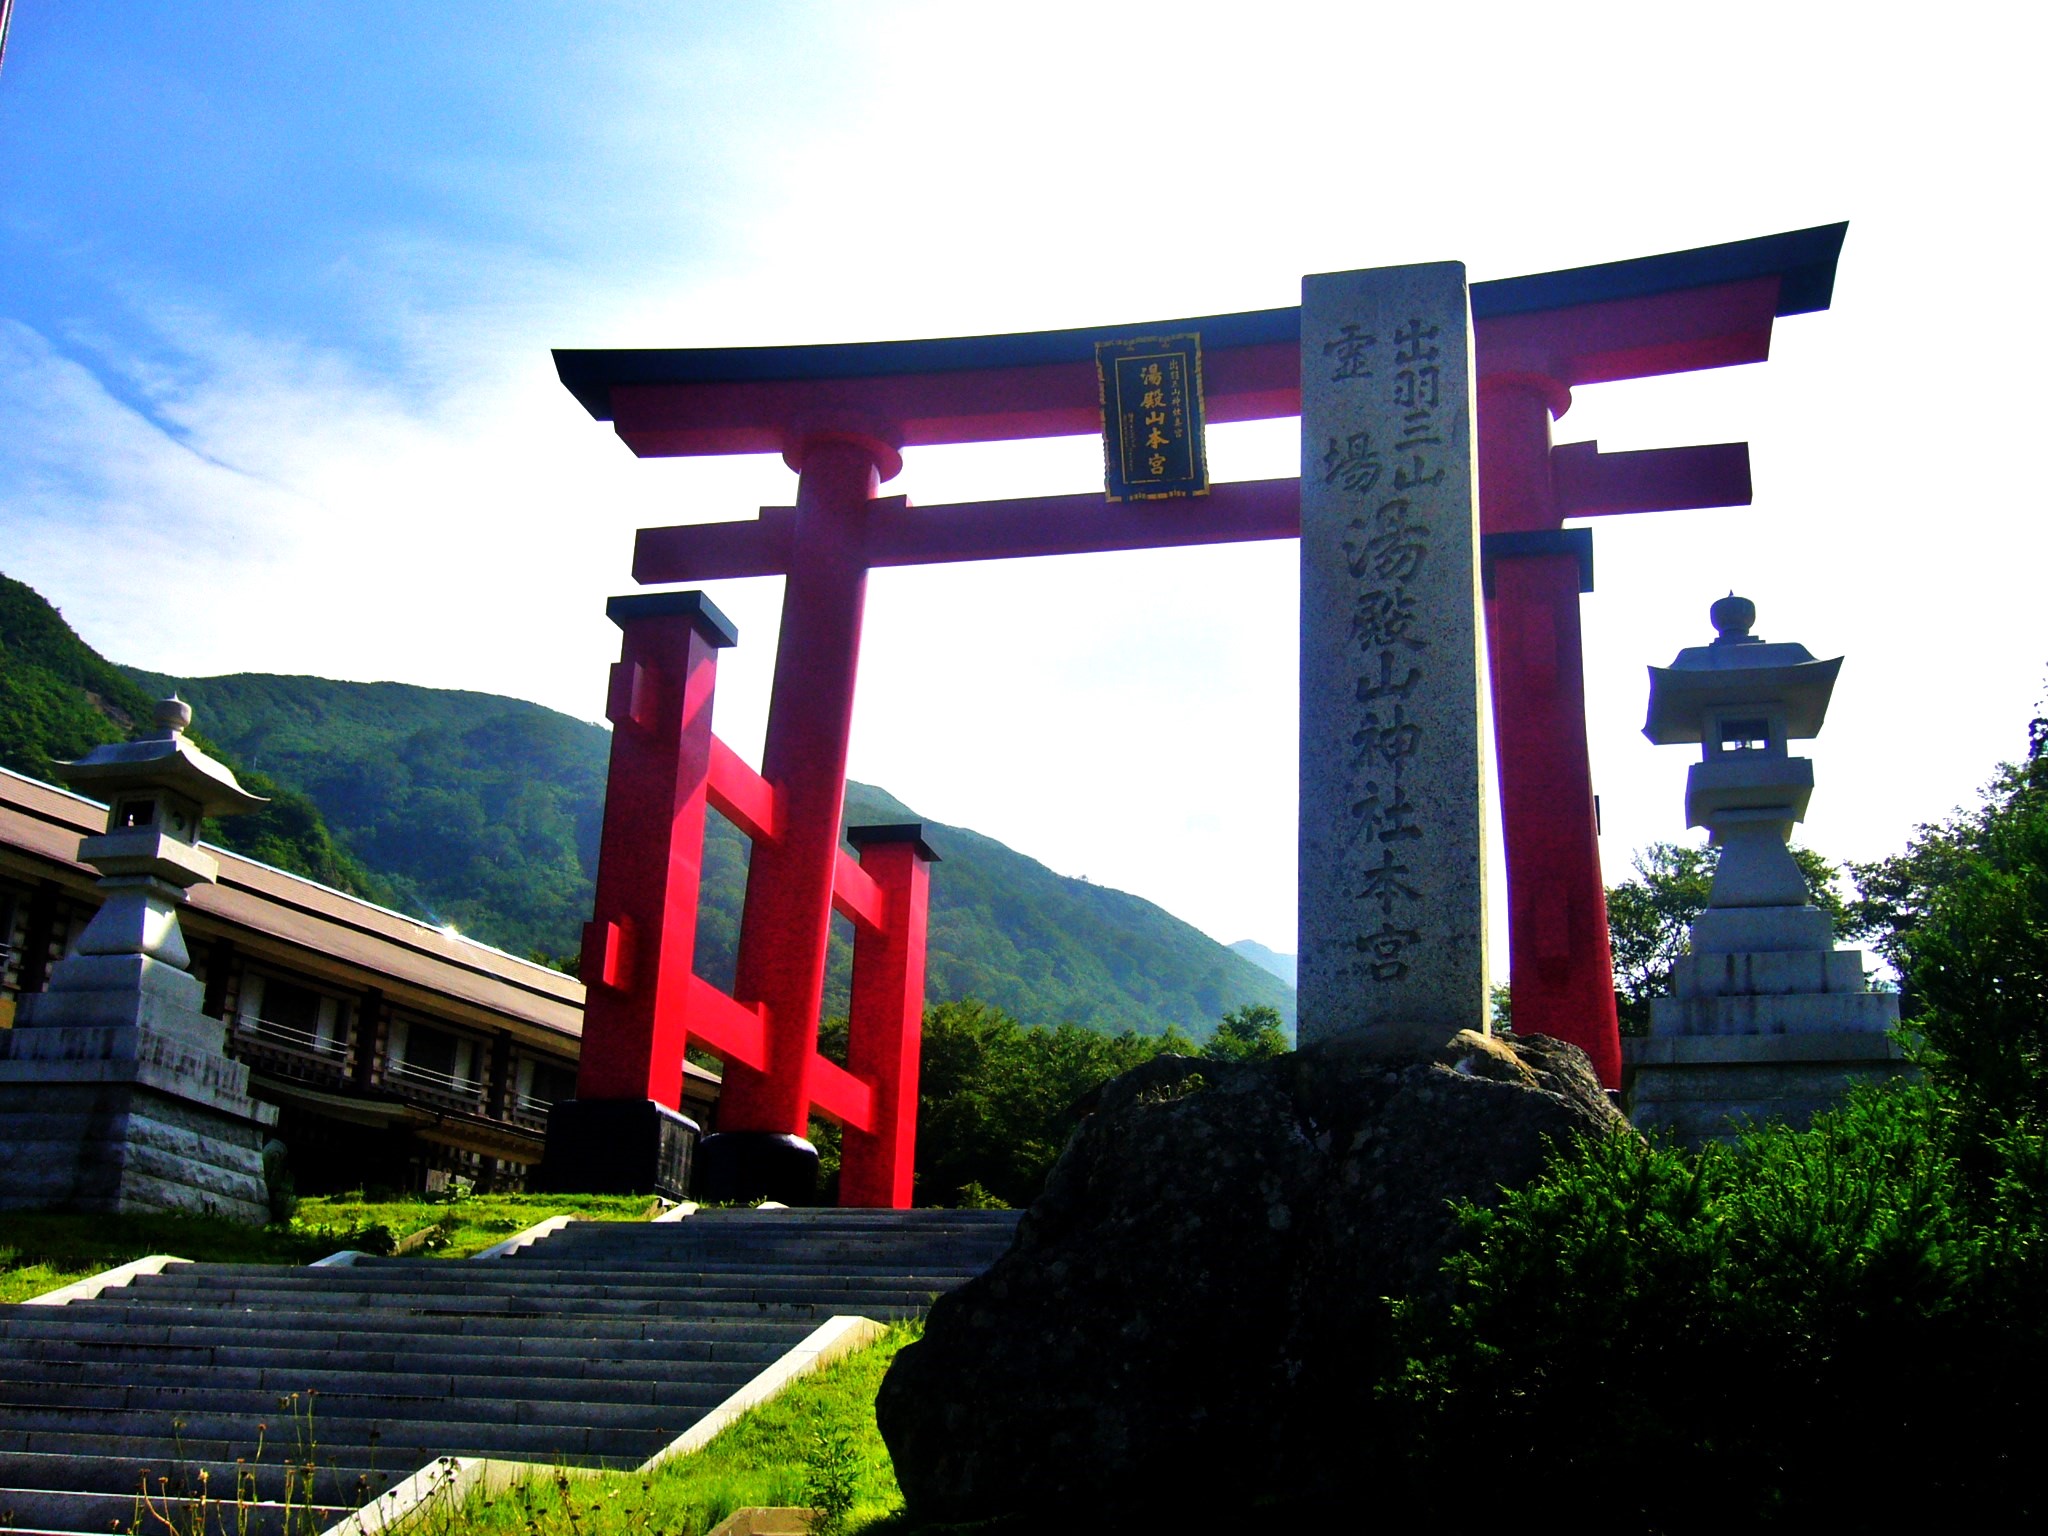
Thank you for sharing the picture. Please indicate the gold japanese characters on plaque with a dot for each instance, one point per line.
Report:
(1152, 447)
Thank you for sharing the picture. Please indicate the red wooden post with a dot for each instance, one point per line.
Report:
(787, 921)
(623, 1130)
(1560, 967)
(639, 950)
(886, 1020)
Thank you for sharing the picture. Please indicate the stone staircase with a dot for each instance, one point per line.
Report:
(597, 1345)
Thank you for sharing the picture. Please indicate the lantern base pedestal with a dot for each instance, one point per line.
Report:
(1702, 1088)
(117, 1096)
(617, 1147)
(745, 1167)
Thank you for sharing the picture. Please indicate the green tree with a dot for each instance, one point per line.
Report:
(1250, 1033)
(1649, 917)
(997, 1099)
(1964, 912)
(1894, 894)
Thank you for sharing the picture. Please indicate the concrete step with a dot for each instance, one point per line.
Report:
(782, 1251)
(829, 1218)
(122, 1477)
(206, 1414)
(251, 1284)
(639, 1266)
(530, 1294)
(107, 1347)
(654, 1267)
(321, 1314)
(598, 1344)
(75, 1385)
(41, 1512)
(389, 1330)
(687, 1234)
(403, 1445)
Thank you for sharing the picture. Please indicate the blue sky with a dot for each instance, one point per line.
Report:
(277, 284)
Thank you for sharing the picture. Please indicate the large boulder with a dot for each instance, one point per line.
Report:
(1196, 1310)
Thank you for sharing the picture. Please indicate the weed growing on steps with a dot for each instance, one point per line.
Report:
(183, 1501)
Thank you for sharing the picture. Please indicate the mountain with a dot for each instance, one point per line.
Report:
(1270, 961)
(484, 812)
(59, 699)
(477, 811)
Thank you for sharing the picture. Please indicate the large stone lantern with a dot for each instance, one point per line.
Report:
(1767, 1019)
(116, 1091)
(158, 789)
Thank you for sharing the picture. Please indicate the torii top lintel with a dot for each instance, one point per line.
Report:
(1673, 313)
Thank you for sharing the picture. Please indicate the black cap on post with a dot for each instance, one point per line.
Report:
(715, 627)
(894, 832)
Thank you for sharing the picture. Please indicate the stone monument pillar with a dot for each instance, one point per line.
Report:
(1393, 901)
(116, 1091)
(1768, 1020)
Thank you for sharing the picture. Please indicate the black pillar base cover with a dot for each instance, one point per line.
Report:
(742, 1167)
(617, 1147)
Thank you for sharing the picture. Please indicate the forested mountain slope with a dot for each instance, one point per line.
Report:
(59, 698)
(484, 812)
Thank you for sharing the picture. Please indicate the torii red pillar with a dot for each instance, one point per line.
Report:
(1533, 570)
(786, 926)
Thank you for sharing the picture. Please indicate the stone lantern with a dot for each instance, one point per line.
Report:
(158, 789)
(116, 1091)
(1767, 1019)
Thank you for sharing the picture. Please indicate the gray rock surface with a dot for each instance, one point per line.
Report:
(1194, 1311)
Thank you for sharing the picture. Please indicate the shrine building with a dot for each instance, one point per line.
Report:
(398, 1053)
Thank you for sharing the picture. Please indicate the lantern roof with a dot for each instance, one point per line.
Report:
(163, 759)
(1739, 670)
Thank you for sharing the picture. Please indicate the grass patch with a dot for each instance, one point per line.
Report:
(44, 1250)
(818, 1432)
(40, 1251)
(455, 1228)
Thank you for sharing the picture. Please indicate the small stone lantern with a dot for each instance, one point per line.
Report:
(1767, 1019)
(116, 1090)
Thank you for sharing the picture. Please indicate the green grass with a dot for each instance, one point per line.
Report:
(772, 1456)
(41, 1251)
(461, 1227)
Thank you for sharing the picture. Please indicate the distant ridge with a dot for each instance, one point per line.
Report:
(484, 812)
(59, 698)
(1271, 961)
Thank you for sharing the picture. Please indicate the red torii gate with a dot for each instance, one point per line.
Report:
(840, 416)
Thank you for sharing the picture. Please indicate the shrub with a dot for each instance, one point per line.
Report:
(1829, 1325)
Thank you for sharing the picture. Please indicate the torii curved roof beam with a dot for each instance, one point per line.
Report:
(1684, 310)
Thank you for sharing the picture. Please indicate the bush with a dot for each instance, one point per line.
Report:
(1825, 1326)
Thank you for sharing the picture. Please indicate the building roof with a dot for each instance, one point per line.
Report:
(309, 926)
